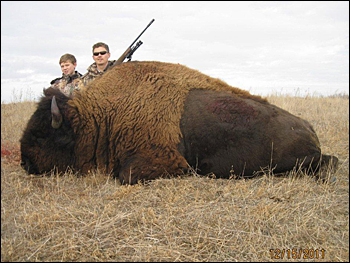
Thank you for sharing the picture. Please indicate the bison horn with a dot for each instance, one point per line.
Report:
(56, 115)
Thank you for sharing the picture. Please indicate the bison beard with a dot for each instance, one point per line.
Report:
(145, 120)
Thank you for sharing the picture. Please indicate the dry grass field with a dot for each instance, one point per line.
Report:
(193, 218)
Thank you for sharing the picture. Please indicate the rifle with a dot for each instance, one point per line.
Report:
(131, 49)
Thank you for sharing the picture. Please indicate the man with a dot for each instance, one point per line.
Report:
(101, 65)
(71, 79)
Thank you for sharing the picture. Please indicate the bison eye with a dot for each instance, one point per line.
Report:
(38, 133)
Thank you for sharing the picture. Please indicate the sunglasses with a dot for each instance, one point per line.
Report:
(101, 52)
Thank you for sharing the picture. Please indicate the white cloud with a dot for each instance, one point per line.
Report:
(25, 71)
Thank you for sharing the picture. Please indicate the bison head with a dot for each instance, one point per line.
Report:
(48, 140)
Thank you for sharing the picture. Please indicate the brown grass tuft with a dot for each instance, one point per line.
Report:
(92, 218)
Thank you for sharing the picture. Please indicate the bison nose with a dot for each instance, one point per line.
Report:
(25, 166)
(25, 163)
(24, 160)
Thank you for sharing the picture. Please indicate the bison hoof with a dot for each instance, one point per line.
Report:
(126, 175)
(132, 170)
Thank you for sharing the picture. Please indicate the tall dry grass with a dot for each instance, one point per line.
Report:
(93, 218)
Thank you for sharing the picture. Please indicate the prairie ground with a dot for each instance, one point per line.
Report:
(192, 218)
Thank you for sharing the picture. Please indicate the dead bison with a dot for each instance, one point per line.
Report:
(144, 120)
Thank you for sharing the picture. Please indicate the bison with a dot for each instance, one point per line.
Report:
(145, 120)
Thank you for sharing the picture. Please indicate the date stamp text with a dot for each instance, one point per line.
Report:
(297, 253)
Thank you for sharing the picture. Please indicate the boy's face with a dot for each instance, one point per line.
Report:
(68, 68)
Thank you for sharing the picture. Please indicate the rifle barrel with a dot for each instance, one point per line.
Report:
(142, 32)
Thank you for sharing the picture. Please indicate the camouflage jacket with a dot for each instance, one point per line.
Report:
(93, 72)
(67, 84)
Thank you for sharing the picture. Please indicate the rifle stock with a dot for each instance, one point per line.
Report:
(130, 50)
(123, 57)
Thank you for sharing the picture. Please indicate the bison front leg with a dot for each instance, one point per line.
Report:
(135, 169)
(151, 165)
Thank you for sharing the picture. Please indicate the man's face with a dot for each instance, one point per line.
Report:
(68, 68)
(101, 59)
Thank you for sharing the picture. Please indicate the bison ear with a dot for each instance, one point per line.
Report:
(56, 115)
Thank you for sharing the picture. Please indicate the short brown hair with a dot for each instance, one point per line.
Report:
(68, 57)
(100, 44)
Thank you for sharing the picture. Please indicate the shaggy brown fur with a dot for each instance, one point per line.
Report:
(127, 122)
(144, 101)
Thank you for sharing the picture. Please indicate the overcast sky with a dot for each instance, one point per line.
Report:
(264, 47)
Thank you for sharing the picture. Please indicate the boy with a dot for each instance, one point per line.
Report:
(71, 79)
